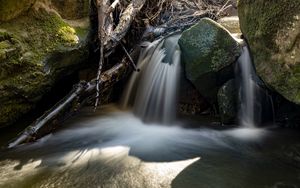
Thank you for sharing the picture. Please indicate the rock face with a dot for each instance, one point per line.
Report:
(71, 9)
(12, 8)
(37, 47)
(231, 23)
(227, 101)
(208, 52)
(272, 30)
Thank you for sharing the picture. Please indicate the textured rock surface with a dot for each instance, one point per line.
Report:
(37, 48)
(10, 9)
(227, 101)
(273, 32)
(231, 23)
(208, 51)
(71, 9)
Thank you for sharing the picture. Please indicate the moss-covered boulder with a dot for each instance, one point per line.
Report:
(272, 29)
(227, 102)
(36, 49)
(208, 52)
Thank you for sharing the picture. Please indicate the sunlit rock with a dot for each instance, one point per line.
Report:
(208, 52)
(37, 48)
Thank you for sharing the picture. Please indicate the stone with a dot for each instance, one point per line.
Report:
(71, 9)
(208, 55)
(227, 102)
(37, 49)
(11, 9)
(231, 23)
(272, 30)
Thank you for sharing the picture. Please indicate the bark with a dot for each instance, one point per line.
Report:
(124, 24)
(104, 29)
(108, 37)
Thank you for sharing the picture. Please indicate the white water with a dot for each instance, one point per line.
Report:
(247, 115)
(152, 91)
(113, 148)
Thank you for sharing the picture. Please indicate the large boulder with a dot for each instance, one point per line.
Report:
(208, 53)
(272, 29)
(37, 48)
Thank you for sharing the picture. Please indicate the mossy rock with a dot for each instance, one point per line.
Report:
(71, 9)
(10, 9)
(36, 50)
(272, 30)
(227, 102)
(208, 52)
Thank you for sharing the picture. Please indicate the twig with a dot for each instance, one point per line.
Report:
(130, 59)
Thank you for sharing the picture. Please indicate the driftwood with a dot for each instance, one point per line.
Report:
(70, 104)
(108, 36)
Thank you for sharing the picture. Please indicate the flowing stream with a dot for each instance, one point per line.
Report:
(133, 148)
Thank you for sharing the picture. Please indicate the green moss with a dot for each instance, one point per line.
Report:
(25, 46)
(267, 26)
(268, 18)
(10, 9)
(68, 34)
(207, 48)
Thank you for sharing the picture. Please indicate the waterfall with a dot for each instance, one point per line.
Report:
(152, 91)
(247, 93)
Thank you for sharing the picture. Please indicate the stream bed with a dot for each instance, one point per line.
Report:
(114, 149)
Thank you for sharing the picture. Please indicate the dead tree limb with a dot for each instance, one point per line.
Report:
(70, 104)
(124, 24)
(108, 37)
(104, 26)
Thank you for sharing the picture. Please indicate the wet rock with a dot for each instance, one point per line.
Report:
(227, 102)
(191, 102)
(272, 30)
(208, 54)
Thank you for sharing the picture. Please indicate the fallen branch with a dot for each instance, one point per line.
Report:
(70, 104)
(104, 29)
(124, 24)
(109, 38)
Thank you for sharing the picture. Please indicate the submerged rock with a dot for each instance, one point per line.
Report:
(227, 101)
(37, 48)
(272, 30)
(208, 52)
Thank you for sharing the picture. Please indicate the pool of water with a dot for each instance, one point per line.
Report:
(113, 148)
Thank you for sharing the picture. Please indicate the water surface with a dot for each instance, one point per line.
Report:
(113, 148)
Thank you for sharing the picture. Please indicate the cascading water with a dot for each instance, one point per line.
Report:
(152, 92)
(247, 116)
(113, 148)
